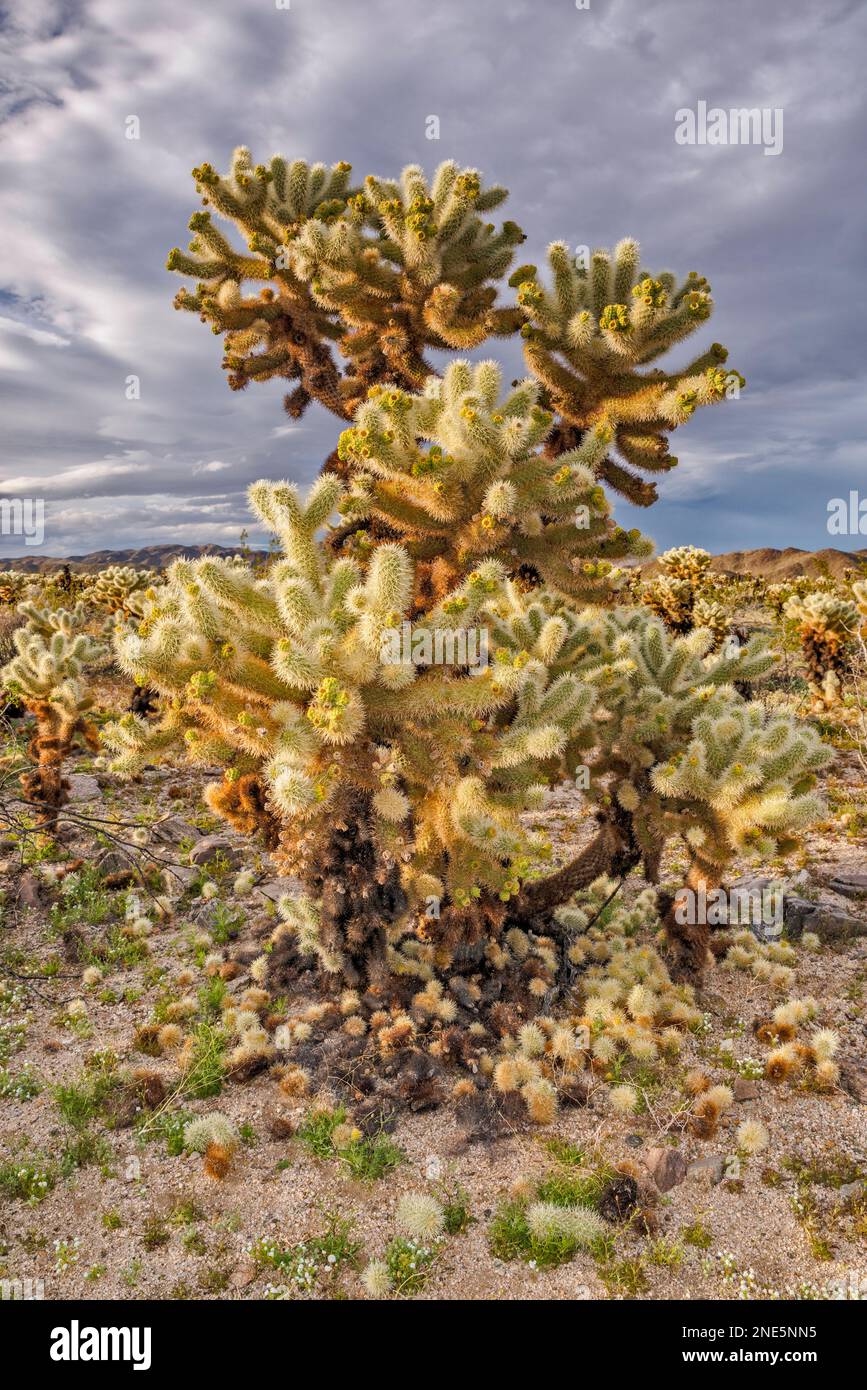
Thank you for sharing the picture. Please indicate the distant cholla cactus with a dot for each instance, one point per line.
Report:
(48, 673)
(13, 585)
(677, 598)
(113, 588)
(827, 626)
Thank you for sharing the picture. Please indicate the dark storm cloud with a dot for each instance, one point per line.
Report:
(573, 109)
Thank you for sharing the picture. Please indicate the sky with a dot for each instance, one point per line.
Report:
(573, 109)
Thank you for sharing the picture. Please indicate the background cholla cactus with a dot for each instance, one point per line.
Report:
(14, 585)
(112, 588)
(47, 674)
(827, 626)
(677, 596)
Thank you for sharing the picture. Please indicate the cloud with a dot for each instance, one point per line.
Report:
(573, 110)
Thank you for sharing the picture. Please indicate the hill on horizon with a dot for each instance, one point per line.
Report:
(768, 562)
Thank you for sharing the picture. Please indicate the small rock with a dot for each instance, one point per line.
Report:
(828, 922)
(177, 879)
(30, 891)
(851, 1191)
(277, 888)
(217, 846)
(173, 831)
(243, 1274)
(667, 1167)
(744, 1089)
(853, 1078)
(113, 861)
(634, 1141)
(83, 787)
(712, 1167)
(850, 883)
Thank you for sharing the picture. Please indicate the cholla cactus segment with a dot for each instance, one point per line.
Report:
(460, 472)
(588, 335)
(213, 1128)
(385, 270)
(581, 1226)
(827, 626)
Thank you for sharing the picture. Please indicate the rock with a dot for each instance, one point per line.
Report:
(634, 1141)
(30, 891)
(83, 787)
(796, 914)
(213, 847)
(712, 1167)
(745, 1089)
(177, 879)
(850, 883)
(243, 1274)
(853, 1078)
(173, 831)
(667, 1167)
(113, 861)
(833, 924)
(828, 922)
(277, 888)
(852, 1191)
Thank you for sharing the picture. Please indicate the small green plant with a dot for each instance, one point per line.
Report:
(65, 1254)
(207, 1068)
(26, 1182)
(308, 1261)
(20, 1085)
(409, 1263)
(697, 1234)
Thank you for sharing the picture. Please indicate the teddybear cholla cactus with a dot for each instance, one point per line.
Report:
(112, 588)
(826, 625)
(48, 674)
(387, 783)
(676, 596)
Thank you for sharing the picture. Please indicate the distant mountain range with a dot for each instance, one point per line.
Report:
(770, 563)
(147, 557)
(784, 564)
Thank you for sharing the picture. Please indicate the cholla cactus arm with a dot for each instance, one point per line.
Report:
(458, 472)
(586, 339)
(385, 272)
